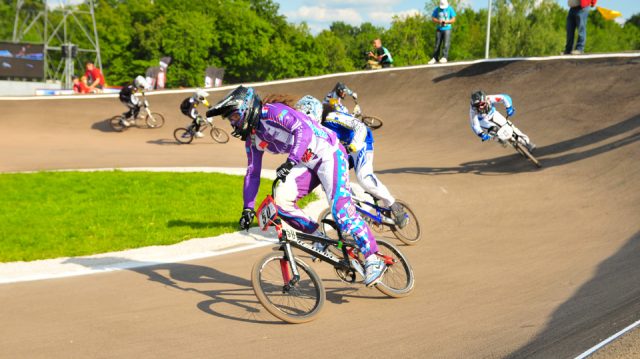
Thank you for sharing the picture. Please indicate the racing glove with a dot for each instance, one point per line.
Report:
(283, 171)
(351, 148)
(485, 136)
(246, 218)
(511, 111)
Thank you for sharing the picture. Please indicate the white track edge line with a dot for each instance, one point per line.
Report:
(136, 264)
(607, 341)
(320, 77)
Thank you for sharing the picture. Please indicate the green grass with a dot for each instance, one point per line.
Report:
(60, 214)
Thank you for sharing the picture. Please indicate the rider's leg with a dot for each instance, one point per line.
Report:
(333, 173)
(370, 182)
(300, 182)
(363, 166)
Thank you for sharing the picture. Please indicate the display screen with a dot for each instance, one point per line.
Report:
(21, 60)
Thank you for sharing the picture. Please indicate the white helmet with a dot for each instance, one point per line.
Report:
(310, 106)
(141, 82)
(201, 96)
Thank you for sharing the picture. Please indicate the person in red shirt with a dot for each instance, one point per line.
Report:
(94, 76)
(80, 85)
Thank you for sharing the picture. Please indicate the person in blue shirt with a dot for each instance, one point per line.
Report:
(444, 16)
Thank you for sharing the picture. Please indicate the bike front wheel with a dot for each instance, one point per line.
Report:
(297, 303)
(410, 234)
(219, 135)
(525, 152)
(154, 120)
(183, 135)
(116, 123)
(372, 122)
(398, 281)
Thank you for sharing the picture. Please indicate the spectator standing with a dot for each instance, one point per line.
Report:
(95, 79)
(381, 54)
(577, 18)
(444, 16)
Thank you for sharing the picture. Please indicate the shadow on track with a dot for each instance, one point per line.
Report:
(186, 277)
(514, 163)
(605, 304)
(103, 126)
(240, 296)
(478, 69)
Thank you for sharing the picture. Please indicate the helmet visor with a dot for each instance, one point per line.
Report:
(234, 119)
(480, 106)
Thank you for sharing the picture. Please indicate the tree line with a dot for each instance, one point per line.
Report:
(253, 42)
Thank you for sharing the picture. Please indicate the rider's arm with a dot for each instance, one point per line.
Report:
(252, 176)
(475, 123)
(501, 98)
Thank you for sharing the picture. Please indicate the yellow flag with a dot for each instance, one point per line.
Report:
(609, 14)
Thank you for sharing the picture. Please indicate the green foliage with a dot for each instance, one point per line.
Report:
(59, 214)
(253, 42)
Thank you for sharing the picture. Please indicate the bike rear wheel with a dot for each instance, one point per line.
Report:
(409, 234)
(372, 122)
(183, 135)
(525, 152)
(398, 281)
(219, 135)
(295, 304)
(116, 123)
(154, 120)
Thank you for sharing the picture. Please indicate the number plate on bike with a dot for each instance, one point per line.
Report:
(267, 212)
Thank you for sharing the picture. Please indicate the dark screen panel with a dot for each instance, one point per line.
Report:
(21, 60)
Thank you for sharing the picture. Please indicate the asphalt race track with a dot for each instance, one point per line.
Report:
(514, 262)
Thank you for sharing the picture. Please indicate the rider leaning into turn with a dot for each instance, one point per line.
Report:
(128, 98)
(279, 129)
(358, 140)
(484, 116)
(335, 97)
(188, 108)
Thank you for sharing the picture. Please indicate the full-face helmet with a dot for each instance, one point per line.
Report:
(200, 96)
(340, 89)
(479, 102)
(140, 82)
(242, 108)
(310, 106)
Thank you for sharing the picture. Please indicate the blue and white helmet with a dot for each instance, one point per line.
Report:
(310, 106)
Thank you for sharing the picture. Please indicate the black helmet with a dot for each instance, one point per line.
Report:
(479, 102)
(245, 102)
(340, 89)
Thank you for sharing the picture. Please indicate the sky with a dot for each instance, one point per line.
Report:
(319, 14)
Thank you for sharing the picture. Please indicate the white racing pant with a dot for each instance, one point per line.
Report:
(363, 166)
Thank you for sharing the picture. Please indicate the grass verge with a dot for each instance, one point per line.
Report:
(60, 214)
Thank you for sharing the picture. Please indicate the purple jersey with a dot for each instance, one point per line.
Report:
(282, 129)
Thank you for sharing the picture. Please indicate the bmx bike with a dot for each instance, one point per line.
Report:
(151, 119)
(185, 135)
(507, 136)
(379, 219)
(372, 122)
(292, 291)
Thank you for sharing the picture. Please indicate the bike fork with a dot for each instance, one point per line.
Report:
(287, 261)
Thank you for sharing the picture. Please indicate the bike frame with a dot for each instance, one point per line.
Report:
(288, 238)
(379, 217)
